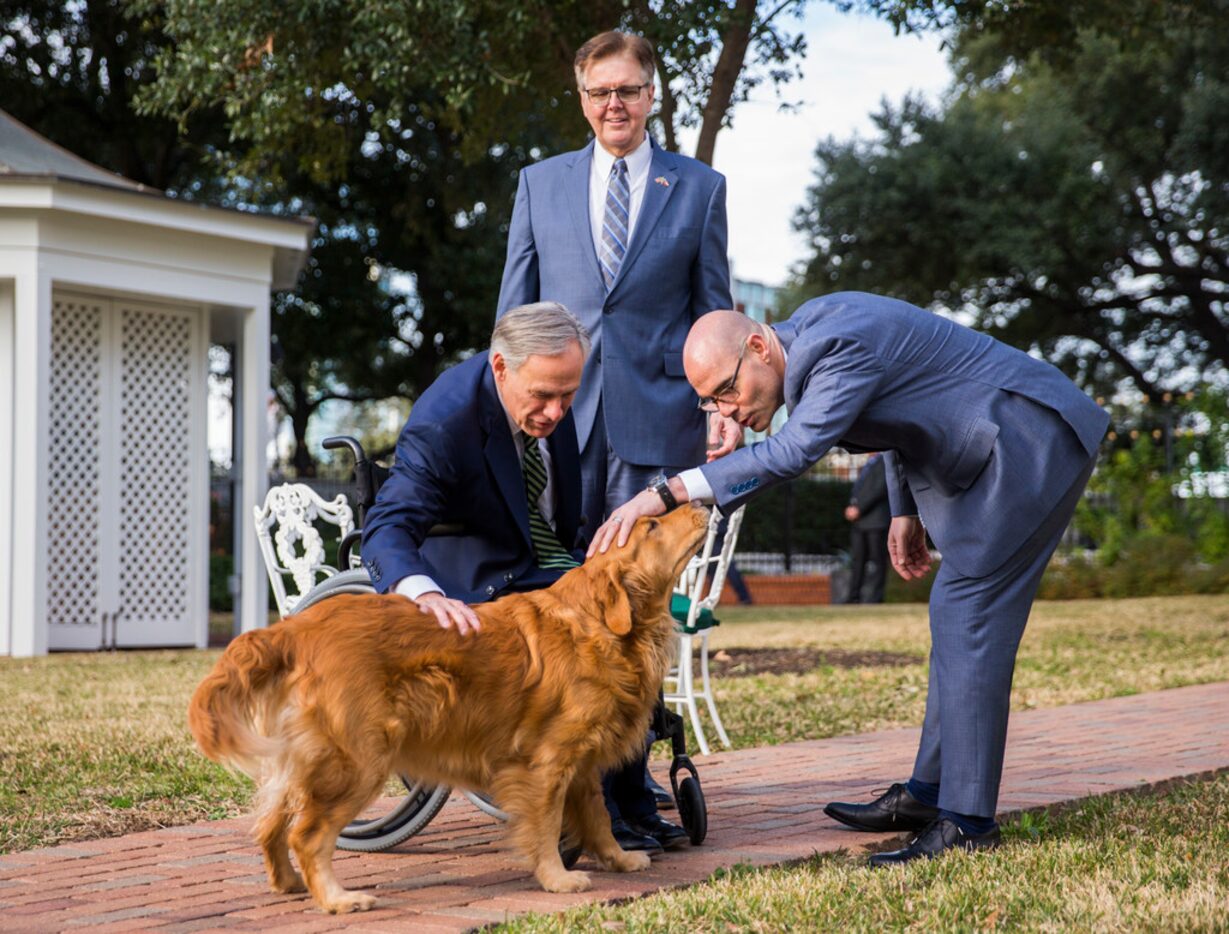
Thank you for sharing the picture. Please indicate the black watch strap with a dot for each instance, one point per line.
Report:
(661, 486)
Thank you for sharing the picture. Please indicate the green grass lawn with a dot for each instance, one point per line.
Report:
(96, 745)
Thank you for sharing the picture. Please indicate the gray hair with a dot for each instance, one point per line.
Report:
(545, 328)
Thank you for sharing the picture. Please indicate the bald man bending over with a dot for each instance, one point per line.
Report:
(986, 448)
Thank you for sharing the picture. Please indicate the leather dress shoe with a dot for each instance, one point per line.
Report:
(896, 809)
(939, 837)
(670, 836)
(634, 840)
(665, 800)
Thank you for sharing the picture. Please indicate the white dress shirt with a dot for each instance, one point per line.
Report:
(638, 162)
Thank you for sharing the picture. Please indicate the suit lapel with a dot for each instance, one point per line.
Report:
(501, 456)
(656, 197)
(576, 185)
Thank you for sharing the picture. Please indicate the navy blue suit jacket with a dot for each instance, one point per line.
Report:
(870, 373)
(675, 270)
(457, 465)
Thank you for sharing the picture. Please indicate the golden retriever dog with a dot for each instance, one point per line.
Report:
(556, 688)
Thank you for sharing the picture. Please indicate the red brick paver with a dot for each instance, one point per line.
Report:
(764, 805)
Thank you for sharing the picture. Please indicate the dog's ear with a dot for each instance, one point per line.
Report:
(616, 607)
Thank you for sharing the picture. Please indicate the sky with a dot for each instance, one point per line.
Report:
(852, 63)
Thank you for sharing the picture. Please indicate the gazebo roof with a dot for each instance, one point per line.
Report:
(46, 175)
(24, 153)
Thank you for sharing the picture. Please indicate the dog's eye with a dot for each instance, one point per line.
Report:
(653, 524)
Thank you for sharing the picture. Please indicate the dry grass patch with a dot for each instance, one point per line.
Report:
(97, 745)
(1072, 651)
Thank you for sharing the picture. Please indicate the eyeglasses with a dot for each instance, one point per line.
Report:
(628, 94)
(728, 391)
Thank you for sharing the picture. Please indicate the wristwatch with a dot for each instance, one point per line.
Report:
(661, 486)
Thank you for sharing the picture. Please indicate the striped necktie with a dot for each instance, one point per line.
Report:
(615, 222)
(546, 547)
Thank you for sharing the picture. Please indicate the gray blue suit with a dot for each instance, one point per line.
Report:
(634, 396)
(989, 446)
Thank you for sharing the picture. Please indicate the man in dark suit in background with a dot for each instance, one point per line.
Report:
(870, 514)
(490, 448)
(988, 447)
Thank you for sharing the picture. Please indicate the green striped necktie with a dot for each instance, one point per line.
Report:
(546, 547)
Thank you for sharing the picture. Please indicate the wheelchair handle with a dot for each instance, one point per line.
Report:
(364, 482)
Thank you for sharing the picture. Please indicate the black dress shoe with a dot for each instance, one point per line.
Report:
(939, 837)
(896, 809)
(665, 800)
(670, 836)
(635, 840)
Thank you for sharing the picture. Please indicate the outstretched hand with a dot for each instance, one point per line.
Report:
(644, 503)
(907, 547)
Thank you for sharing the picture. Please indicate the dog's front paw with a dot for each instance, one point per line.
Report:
(565, 881)
(626, 861)
(349, 901)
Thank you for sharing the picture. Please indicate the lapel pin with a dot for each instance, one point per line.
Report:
(661, 180)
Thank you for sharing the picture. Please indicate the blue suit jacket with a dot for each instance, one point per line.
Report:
(872, 373)
(457, 465)
(675, 270)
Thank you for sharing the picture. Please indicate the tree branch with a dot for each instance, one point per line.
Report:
(725, 76)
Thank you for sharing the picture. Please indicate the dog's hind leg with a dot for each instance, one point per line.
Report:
(586, 812)
(271, 833)
(333, 794)
(533, 797)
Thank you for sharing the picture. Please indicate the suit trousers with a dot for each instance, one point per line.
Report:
(607, 480)
(975, 627)
(867, 546)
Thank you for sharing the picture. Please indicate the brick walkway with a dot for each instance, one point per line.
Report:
(764, 808)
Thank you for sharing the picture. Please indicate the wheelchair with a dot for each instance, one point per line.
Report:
(412, 812)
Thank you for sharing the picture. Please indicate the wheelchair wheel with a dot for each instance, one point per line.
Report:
(407, 817)
(422, 802)
(693, 812)
(482, 801)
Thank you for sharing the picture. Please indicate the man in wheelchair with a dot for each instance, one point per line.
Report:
(489, 458)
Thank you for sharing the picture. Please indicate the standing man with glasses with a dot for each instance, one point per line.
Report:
(632, 239)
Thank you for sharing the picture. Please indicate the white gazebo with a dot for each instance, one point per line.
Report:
(110, 294)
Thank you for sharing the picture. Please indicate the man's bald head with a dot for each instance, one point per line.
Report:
(715, 338)
(736, 366)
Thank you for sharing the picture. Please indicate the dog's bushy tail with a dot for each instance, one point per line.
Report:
(230, 710)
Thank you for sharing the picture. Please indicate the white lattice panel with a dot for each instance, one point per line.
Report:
(75, 482)
(156, 472)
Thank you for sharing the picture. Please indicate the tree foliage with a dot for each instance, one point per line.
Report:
(402, 128)
(71, 70)
(1071, 195)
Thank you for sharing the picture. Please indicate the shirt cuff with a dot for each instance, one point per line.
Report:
(697, 486)
(416, 585)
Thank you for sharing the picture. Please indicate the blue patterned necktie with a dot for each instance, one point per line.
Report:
(546, 547)
(615, 222)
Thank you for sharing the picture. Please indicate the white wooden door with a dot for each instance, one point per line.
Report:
(128, 510)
